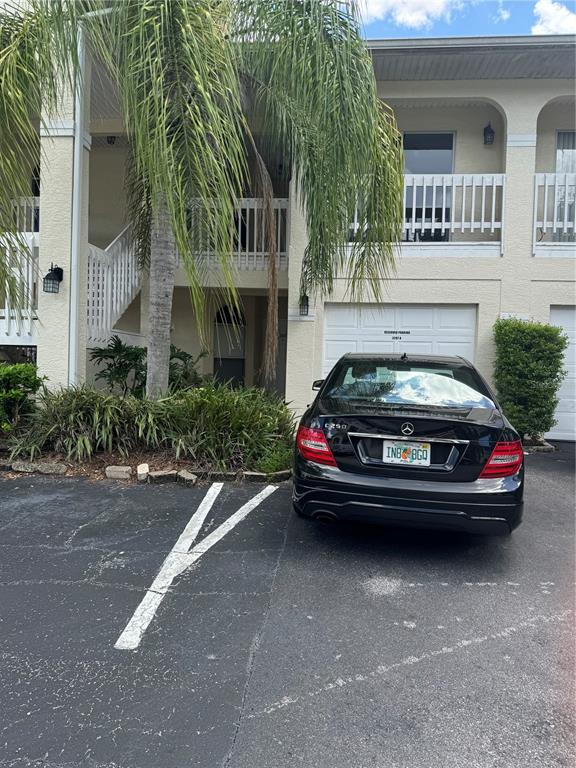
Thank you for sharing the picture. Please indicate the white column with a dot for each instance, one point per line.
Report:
(64, 165)
(518, 210)
(300, 344)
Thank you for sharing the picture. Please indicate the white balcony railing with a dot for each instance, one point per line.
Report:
(17, 327)
(249, 237)
(27, 214)
(452, 208)
(555, 213)
(456, 206)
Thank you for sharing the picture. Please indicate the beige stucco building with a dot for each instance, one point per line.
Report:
(490, 188)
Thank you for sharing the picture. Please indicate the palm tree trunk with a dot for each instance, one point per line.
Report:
(162, 273)
(271, 337)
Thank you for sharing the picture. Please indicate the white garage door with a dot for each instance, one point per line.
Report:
(565, 429)
(415, 329)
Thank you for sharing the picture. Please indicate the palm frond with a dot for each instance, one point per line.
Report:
(139, 210)
(316, 94)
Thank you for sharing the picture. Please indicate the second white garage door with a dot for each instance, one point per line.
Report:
(415, 329)
(565, 429)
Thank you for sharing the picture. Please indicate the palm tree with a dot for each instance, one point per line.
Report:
(209, 88)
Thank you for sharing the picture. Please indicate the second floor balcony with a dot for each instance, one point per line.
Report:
(451, 214)
(453, 211)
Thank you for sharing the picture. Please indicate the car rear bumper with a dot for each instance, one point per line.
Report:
(486, 506)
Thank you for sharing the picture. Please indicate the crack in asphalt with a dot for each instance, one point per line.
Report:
(255, 646)
(383, 669)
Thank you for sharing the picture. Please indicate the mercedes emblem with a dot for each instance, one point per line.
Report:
(407, 428)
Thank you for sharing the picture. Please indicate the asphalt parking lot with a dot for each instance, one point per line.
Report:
(273, 641)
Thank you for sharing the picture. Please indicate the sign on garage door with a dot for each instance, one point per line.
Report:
(565, 429)
(414, 328)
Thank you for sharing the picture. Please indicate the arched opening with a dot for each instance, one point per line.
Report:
(556, 174)
(229, 346)
(556, 142)
(454, 153)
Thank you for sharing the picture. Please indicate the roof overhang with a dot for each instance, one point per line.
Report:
(475, 58)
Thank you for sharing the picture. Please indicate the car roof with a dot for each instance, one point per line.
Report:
(375, 357)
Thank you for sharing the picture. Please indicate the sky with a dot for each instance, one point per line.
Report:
(456, 18)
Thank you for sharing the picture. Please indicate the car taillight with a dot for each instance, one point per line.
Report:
(313, 446)
(506, 460)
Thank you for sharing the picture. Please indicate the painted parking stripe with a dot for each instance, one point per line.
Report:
(188, 535)
(179, 559)
(144, 613)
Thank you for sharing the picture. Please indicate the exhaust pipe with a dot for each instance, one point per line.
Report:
(325, 516)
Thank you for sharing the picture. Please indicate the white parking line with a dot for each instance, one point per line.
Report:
(179, 559)
(188, 535)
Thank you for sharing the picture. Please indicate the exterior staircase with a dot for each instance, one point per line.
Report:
(113, 283)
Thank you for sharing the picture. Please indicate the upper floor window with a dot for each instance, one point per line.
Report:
(566, 152)
(428, 152)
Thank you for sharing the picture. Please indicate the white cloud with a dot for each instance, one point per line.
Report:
(415, 14)
(502, 14)
(553, 18)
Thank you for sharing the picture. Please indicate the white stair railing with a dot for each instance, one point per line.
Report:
(113, 283)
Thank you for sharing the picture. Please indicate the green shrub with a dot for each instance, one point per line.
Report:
(18, 383)
(276, 460)
(214, 426)
(528, 373)
(182, 372)
(124, 367)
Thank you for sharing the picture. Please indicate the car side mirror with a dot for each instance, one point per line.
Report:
(317, 384)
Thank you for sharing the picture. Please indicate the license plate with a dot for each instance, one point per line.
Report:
(410, 454)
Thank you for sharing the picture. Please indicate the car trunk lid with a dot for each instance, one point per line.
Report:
(446, 444)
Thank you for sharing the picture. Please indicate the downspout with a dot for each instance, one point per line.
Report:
(76, 240)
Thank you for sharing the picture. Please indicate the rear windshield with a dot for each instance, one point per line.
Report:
(404, 383)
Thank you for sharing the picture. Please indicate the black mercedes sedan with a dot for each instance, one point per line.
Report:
(410, 441)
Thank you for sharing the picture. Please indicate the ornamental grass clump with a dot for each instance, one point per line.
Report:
(528, 373)
(214, 426)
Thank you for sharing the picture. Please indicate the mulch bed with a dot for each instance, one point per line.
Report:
(94, 469)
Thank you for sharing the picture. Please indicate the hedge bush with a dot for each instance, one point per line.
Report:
(18, 383)
(528, 373)
(214, 426)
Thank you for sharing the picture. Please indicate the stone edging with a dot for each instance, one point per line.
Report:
(44, 467)
(143, 473)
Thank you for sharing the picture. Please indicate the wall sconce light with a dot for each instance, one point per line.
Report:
(51, 283)
(304, 305)
(489, 135)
